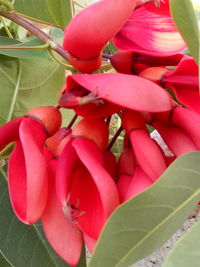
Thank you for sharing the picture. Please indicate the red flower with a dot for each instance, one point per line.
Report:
(150, 30)
(27, 172)
(100, 95)
(91, 29)
(86, 192)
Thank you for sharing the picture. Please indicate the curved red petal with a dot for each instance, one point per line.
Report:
(28, 179)
(139, 182)
(9, 132)
(17, 182)
(62, 234)
(65, 168)
(150, 30)
(185, 83)
(127, 91)
(176, 139)
(32, 137)
(123, 184)
(148, 154)
(106, 190)
(87, 210)
(189, 121)
(81, 38)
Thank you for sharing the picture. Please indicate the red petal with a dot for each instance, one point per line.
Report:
(17, 183)
(65, 169)
(63, 235)
(176, 139)
(123, 186)
(150, 30)
(9, 132)
(91, 157)
(148, 153)
(92, 28)
(28, 179)
(126, 163)
(128, 91)
(87, 210)
(139, 182)
(184, 82)
(189, 121)
(94, 129)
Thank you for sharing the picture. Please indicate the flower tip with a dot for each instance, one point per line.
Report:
(49, 116)
(85, 66)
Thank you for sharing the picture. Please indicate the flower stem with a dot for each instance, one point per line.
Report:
(114, 138)
(12, 15)
(69, 126)
(10, 47)
(67, 66)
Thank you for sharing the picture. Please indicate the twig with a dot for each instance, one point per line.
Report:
(12, 15)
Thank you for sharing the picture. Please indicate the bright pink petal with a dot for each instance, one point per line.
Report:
(93, 27)
(176, 139)
(9, 132)
(139, 182)
(28, 178)
(61, 233)
(189, 121)
(148, 153)
(128, 91)
(64, 172)
(123, 184)
(185, 83)
(150, 30)
(106, 190)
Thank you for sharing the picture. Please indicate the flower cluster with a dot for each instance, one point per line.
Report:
(69, 177)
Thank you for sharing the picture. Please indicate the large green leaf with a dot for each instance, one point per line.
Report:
(187, 250)
(23, 53)
(145, 222)
(22, 245)
(55, 12)
(186, 19)
(26, 83)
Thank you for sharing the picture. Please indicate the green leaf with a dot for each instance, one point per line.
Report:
(186, 251)
(185, 17)
(23, 53)
(51, 11)
(142, 224)
(27, 83)
(3, 261)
